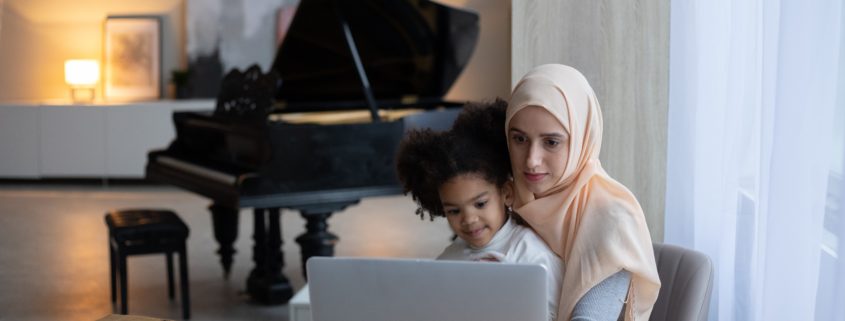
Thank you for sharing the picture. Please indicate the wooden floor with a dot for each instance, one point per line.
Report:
(54, 254)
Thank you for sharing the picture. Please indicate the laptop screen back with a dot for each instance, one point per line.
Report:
(356, 289)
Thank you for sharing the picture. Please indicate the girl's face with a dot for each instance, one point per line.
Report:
(474, 208)
(539, 148)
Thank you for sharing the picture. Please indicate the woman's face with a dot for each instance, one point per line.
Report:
(474, 208)
(539, 148)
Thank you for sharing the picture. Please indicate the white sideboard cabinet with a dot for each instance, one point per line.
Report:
(85, 141)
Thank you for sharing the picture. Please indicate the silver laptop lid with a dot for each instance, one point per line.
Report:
(356, 289)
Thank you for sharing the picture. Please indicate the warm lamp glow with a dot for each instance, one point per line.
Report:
(82, 76)
(82, 72)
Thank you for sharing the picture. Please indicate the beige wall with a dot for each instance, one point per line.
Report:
(622, 47)
(37, 36)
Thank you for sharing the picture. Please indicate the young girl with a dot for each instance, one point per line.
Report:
(463, 175)
(594, 223)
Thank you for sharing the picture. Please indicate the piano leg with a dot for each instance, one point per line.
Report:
(266, 283)
(317, 240)
(225, 222)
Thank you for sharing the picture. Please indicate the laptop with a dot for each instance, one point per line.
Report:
(368, 289)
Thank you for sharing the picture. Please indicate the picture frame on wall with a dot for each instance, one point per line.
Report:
(132, 58)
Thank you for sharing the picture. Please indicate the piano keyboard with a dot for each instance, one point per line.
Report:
(341, 117)
(198, 170)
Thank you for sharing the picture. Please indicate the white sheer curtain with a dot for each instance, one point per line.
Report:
(754, 123)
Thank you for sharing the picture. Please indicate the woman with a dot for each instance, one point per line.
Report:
(595, 224)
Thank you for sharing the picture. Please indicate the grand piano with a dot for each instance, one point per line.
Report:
(319, 131)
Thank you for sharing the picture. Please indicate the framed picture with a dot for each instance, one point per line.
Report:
(132, 58)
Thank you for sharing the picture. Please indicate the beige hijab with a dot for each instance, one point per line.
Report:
(589, 219)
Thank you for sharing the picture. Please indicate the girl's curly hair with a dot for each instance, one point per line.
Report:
(475, 145)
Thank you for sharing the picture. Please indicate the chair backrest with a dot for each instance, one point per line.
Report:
(687, 279)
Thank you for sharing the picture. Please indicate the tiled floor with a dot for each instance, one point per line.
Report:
(54, 258)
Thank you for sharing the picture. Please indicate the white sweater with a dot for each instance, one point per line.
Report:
(514, 244)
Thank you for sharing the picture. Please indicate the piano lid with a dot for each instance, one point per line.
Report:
(407, 48)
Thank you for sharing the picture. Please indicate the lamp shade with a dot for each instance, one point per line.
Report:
(82, 72)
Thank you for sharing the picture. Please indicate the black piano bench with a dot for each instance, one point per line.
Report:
(147, 231)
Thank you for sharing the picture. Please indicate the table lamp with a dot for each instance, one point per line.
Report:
(82, 76)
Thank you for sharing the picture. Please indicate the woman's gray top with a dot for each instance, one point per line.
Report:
(605, 300)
